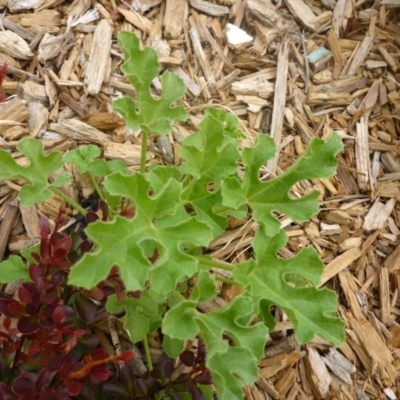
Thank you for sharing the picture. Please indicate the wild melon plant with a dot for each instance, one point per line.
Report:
(161, 221)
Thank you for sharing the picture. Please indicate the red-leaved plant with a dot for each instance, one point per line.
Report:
(3, 74)
(45, 351)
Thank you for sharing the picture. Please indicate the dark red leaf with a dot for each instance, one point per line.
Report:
(62, 247)
(16, 309)
(23, 384)
(50, 394)
(196, 393)
(56, 281)
(104, 209)
(56, 237)
(43, 378)
(50, 299)
(36, 273)
(204, 378)
(166, 366)
(98, 354)
(85, 246)
(99, 372)
(91, 217)
(5, 392)
(97, 293)
(114, 389)
(58, 314)
(4, 303)
(201, 352)
(44, 227)
(69, 312)
(33, 348)
(183, 379)
(187, 358)
(30, 309)
(74, 388)
(28, 325)
(85, 308)
(25, 293)
(69, 344)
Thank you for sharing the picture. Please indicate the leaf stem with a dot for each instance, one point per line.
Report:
(143, 152)
(147, 353)
(96, 186)
(67, 199)
(213, 263)
(226, 280)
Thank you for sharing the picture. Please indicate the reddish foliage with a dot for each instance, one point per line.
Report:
(43, 326)
(3, 74)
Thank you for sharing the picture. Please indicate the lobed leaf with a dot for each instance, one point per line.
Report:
(160, 224)
(13, 269)
(143, 315)
(231, 366)
(267, 280)
(318, 161)
(37, 172)
(146, 112)
(211, 154)
(86, 160)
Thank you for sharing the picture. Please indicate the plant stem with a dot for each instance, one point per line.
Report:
(143, 152)
(147, 353)
(67, 199)
(217, 264)
(96, 186)
(226, 280)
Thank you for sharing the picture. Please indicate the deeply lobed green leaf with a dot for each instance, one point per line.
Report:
(160, 224)
(148, 113)
(37, 172)
(267, 279)
(231, 366)
(318, 161)
(143, 315)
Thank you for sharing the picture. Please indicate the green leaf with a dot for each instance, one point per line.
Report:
(160, 223)
(179, 321)
(82, 157)
(231, 366)
(208, 391)
(27, 252)
(211, 154)
(86, 160)
(173, 347)
(234, 320)
(318, 161)
(311, 310)
(148, 113)
(13, 269)
(37, 172)
(231, 371)
(205, 286)
(143, 315)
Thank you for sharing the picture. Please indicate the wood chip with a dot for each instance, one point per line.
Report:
(95, 71)
(78, 130)
(302, 12)
(14, 45)
(317, 373)
(209, 8)
(279, 103)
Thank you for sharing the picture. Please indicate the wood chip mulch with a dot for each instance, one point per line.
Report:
(295, 69)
